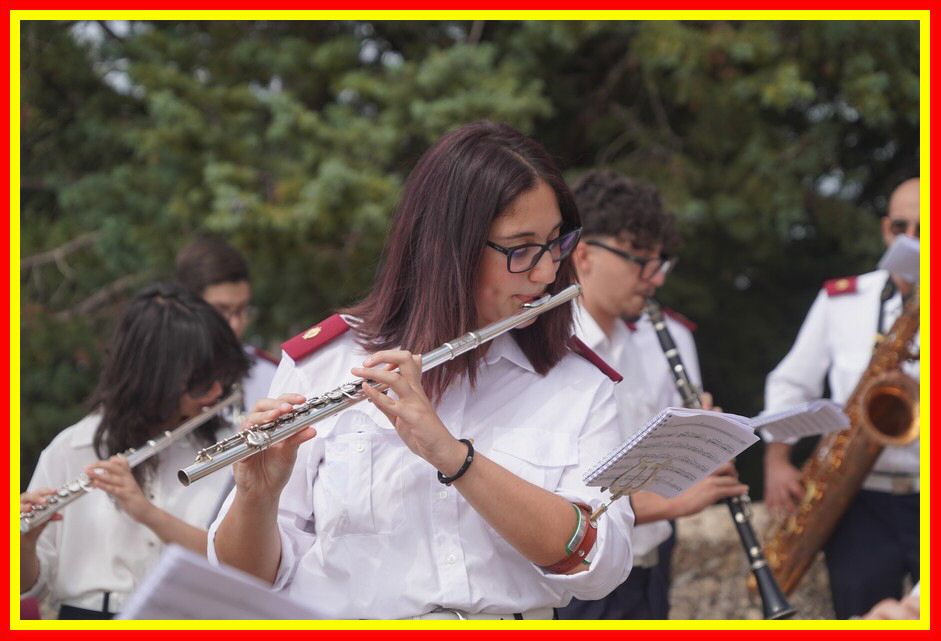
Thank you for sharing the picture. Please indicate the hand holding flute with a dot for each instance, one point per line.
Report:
(265, 474)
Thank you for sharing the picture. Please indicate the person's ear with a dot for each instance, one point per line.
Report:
(581, 257)
(885, 226)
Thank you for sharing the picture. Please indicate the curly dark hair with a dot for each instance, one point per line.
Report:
(611, 204)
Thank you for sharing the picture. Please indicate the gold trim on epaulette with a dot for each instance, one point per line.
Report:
(312, 332)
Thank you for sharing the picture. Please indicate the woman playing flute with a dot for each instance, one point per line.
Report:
(458, 493)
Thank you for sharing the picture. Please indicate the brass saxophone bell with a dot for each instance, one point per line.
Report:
(889, 409)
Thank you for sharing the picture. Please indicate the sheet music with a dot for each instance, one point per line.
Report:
(677, 448)
(821, 416)
(902, 258)
(185, 586)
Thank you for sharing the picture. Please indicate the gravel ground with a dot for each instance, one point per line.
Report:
(710, 569)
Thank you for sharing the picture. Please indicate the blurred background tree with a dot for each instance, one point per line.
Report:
(776, 144)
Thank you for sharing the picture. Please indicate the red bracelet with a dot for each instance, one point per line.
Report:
(581, 550)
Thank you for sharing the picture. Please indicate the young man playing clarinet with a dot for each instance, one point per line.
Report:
(621, 261)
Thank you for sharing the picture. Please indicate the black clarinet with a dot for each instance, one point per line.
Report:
(773, 602)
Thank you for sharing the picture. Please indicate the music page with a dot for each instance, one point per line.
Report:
(673, 451)
(821, 416)
(184, 586)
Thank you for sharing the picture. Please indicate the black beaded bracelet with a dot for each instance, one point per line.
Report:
(447, 480)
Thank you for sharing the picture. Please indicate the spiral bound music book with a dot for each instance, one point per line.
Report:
(673, 451)
(821, 416)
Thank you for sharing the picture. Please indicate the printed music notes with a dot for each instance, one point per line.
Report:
(673, 451)
(821, 416)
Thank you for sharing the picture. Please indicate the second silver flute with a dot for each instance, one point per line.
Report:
(82, 485)
(259, 437)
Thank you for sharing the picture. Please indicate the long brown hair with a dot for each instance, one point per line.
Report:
(424, 292)
(168, 342)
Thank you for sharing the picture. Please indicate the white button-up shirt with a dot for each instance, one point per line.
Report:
(257, 382)
(836, 342)
(367, 531)
(655, 362)
(96, 547)
(646, 389)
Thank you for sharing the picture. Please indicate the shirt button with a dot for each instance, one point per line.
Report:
(451, 559)
(443, 494)
(360, 447)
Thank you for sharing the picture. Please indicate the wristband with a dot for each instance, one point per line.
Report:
(447, 480)
(579, 534)
(581, 548)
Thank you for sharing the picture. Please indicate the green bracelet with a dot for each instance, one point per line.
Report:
(578, 534)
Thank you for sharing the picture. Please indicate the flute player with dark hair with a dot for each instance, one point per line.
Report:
(171, 355)
(457, 494)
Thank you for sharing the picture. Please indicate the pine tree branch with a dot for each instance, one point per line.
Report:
(102, 297)
(57, 254)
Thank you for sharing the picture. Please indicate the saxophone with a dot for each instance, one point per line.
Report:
(883, 410)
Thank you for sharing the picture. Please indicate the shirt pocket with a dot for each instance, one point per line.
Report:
(848, 367)
(357, 490)
(535, 455)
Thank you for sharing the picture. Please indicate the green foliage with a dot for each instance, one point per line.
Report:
(776, 144)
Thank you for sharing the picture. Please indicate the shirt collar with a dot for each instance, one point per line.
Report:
(506, 347)
(84, 433)
(588, 329)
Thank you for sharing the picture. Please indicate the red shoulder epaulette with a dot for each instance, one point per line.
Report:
(838, 286)
(258, 352)
(679, 318)
(310, 340)
(580, 348)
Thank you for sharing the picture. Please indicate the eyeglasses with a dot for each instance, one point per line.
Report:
(900, 226)
(522, 258)
(649, 267)
(245, 312)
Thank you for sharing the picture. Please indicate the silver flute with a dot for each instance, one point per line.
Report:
(257, 438)
(82, 485)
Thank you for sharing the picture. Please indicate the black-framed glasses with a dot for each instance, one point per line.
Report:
(248, 313)
(522, 258)
(899, 226)
(649, 267)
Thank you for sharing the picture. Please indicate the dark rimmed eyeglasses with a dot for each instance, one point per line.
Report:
(899, 226)
(522, 258)
(247, 313)
(649, 267)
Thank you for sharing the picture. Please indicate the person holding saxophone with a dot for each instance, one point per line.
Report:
(171, 356)
(457, 494)
(621, 260)
(875, 545)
